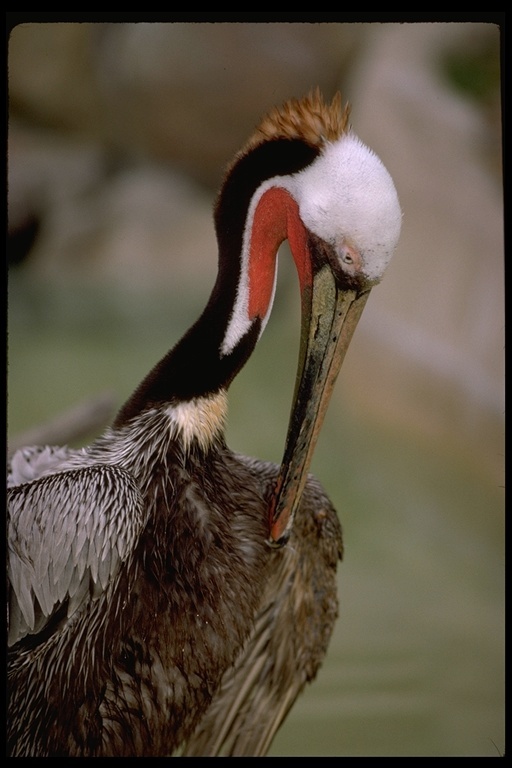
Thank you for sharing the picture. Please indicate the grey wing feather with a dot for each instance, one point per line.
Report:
(64, 541)
(35, 461)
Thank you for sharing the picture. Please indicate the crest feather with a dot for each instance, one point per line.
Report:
(310, 119)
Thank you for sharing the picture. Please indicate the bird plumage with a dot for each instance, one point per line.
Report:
(148, 613)
(290, 636)
(82, 634)
(145, 620)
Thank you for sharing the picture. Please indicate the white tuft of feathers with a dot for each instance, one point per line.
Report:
(347, 196)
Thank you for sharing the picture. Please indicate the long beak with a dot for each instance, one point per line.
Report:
(329, 317)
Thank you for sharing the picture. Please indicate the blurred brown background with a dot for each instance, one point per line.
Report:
(118, 134)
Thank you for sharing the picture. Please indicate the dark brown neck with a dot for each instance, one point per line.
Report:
(195, 367)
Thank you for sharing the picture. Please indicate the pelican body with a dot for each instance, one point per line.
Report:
(165, 593)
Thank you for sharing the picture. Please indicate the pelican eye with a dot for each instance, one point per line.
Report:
(349, 259)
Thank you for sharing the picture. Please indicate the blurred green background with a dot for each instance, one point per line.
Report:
(412, 449)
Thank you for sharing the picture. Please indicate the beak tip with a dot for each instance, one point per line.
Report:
(279, 542)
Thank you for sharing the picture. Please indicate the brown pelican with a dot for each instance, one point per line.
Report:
(167, 595)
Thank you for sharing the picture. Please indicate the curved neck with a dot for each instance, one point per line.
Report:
(252, 218)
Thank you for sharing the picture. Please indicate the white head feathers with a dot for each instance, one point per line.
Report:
(347, 194)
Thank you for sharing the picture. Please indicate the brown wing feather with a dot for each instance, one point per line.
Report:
(290, 636)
